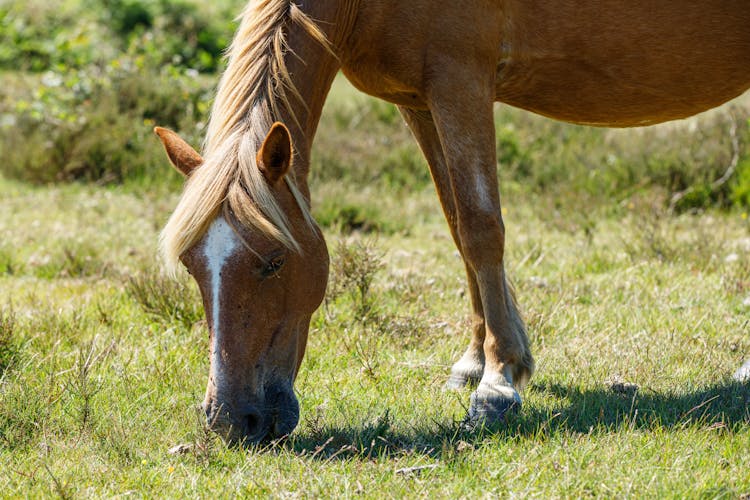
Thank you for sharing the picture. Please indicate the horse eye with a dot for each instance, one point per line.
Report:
(273, 267)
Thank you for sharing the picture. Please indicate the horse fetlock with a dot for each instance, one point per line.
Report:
(466, 371)
(457, 381)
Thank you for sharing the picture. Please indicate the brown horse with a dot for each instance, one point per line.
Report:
(243, 227)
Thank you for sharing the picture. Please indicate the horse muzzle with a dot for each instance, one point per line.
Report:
(253, 423)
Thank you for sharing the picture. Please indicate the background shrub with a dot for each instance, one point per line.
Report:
(85, 81)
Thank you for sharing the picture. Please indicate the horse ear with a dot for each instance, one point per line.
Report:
(275, 155)
(182, 156)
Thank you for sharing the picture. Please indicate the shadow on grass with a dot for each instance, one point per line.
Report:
(721, 407)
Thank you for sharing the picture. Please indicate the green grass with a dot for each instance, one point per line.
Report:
(638, 315)
(104, 360)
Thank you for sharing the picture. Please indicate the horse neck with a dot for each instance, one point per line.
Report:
(312, 68)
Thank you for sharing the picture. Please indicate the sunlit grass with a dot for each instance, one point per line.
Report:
(105, 374)
(638, 317)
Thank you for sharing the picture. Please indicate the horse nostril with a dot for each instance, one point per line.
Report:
(253, 423)
(255, 427)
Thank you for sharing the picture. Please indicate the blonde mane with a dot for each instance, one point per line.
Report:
(252, 89)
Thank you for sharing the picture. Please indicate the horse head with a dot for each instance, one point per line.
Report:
(258, 294)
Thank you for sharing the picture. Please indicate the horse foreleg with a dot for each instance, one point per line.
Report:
(462, 112)
(468, 369)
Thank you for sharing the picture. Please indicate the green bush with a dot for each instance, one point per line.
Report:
(96, 75)
(37, 36)
(547, 157)
(97, 127)
(107, 71)
(126, 16)
(171, 32)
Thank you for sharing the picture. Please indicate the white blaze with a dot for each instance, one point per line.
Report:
(219, 245)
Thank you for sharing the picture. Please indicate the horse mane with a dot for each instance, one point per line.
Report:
(252, 89)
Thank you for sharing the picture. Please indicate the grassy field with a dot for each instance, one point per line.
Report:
(637, 318)
(638, 313)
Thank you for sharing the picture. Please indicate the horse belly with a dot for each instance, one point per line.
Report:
(587, 99)
(615, 64)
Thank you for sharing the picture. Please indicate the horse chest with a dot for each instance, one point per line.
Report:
(385, 85)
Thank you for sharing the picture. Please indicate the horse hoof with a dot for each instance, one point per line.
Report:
(489, 407)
